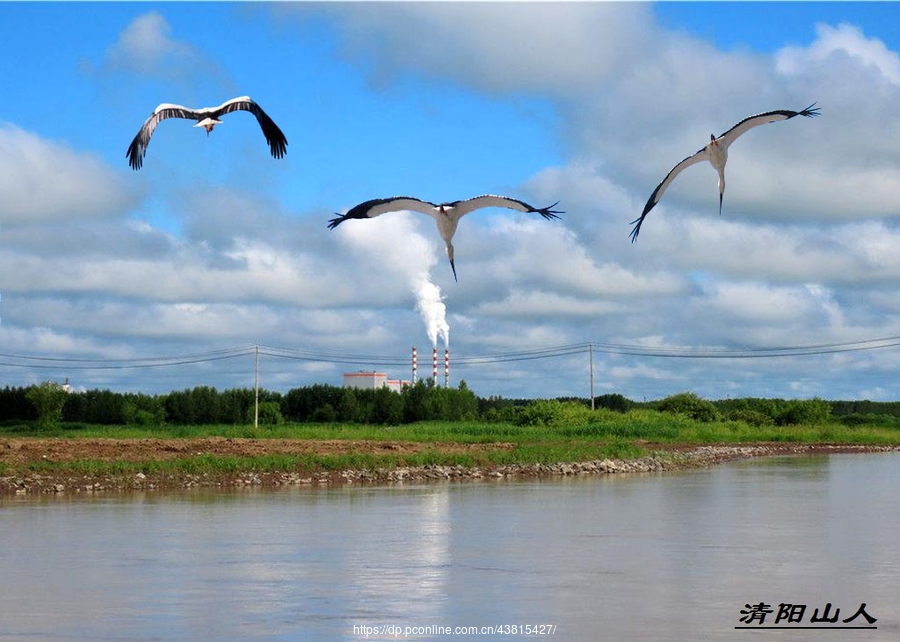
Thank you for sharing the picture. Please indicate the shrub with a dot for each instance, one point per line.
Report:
(751, 417)
(324, 414)
(689, 405)
(555, 413)
(48, 399)
(269, 413)
(805, 411)
(616, 402)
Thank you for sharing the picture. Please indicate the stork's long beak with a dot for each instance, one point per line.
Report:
(452, 265)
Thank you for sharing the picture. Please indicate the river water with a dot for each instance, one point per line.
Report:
(673, 556)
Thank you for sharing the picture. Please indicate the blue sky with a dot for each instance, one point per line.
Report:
(214, 247)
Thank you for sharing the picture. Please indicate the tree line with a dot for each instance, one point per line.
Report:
(50, 404)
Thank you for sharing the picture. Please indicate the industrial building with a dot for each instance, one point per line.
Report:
(372, 381)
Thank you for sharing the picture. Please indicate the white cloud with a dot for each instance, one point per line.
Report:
(832, 43)
(506, 47)
(146, 46)
(546, 304)
(43, 181)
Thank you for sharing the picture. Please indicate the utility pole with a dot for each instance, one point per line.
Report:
(256, 386)
(591, 357)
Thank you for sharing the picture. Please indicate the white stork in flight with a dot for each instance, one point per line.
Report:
(716, 152)
(207, 117)
(447, 215)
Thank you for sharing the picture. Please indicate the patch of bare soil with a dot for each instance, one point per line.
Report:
(25, 451)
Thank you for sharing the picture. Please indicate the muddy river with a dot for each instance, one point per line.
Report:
(702, 554)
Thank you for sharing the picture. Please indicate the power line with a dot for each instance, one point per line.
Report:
(748, 353)
(35, 361)
(551, 352)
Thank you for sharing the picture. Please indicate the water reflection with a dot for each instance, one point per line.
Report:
(629, 557)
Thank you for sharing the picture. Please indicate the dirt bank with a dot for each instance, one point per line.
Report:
(18, 458)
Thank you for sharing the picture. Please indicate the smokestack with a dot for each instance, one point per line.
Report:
(446, 367)
(415, 366)
(434, 368)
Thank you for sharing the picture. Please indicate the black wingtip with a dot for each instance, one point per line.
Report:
(135, 159)
(811, 111)
(640, 220)
(278, 146)
(548, 212)
(636, 229)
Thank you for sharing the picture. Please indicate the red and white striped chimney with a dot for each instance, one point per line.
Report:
(415, 365)
(446, 367)
(434, 368)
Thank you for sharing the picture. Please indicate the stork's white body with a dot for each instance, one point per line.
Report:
(717, 155)
(208, 124)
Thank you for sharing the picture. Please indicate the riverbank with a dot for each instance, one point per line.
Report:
(76, 466)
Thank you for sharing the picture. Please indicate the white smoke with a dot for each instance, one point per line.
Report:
(413, 255)
(430, 305)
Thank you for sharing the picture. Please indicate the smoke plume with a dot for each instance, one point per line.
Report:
(430, 305)
(412, 259)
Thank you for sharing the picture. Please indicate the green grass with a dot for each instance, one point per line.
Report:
(635, 426)
(589, 436)
(208, 464)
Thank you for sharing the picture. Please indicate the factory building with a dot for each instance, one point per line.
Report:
(372, 381)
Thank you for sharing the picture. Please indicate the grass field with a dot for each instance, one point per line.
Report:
(589, 436)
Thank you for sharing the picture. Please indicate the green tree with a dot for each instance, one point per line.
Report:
(178, 407)
(348, 406)
(15, 405)
(615, 401)
(269, 413)
(205, 404)
(805, 411)
(48, 399)
(143, 410)
(690, 405)
(415, 401)
(300, 404)
(236, 405)
(462, 403)
(387, 407)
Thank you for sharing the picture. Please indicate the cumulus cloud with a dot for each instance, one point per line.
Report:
(843, 41)
(527, 47)
(146, 46)
(43, 181)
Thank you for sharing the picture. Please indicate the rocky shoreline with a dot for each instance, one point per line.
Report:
(667, 458)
